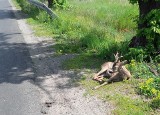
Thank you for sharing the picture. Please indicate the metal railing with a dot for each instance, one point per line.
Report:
(44, 7)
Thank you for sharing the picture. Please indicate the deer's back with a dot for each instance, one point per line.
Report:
(107, 65)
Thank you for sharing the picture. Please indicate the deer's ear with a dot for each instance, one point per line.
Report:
(124, 62)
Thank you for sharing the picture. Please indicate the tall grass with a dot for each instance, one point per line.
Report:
(99, 27)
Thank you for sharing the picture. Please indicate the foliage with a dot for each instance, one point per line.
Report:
(141, 54)
(150, 84)
(157, 58)
(136, 1)
(28, 8)
(140, 69)
(25, 6)
(152, 29)
(60, 4)
(151, 88)
(136, 53)
(133, 1)
(156, 101)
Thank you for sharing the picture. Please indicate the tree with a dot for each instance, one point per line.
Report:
(50, 3)
(148, 34)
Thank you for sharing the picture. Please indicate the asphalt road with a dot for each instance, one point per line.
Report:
(18, 94)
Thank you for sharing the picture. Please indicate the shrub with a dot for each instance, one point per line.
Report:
(151, 88)
(155, 103)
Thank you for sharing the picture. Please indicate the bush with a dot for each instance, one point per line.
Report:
(140, 70)
(138, 54)
(155, 103)
(151, 89)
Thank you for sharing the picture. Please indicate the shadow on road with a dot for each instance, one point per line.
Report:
(8, 14)
(16, 65)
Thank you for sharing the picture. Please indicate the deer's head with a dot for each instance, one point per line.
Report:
(117, 63)
(117, 66)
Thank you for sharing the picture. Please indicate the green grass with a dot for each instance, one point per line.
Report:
(97, 27)
(128, 106)
(82, 61)
(122, 95)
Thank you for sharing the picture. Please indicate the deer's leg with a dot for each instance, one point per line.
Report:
(99, 75)
(105, 83)
(115, 78)
(99, 78)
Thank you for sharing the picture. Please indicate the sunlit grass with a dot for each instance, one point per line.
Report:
(88, 26)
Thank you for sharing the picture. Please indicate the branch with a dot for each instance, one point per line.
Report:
(153, 70)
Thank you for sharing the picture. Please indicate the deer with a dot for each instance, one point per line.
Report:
(107, 69)
(118, 72)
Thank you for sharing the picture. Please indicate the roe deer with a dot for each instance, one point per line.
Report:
(119, 74)
(107, 69)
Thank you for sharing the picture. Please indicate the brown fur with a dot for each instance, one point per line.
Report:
(105, 71)
(121, 74)
(118, 72)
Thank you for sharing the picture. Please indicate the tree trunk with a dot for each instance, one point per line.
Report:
(144, 9)
(50, 3)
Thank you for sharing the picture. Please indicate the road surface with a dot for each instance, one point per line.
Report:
(18, 94)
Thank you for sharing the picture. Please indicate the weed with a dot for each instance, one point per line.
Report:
(150, 87)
